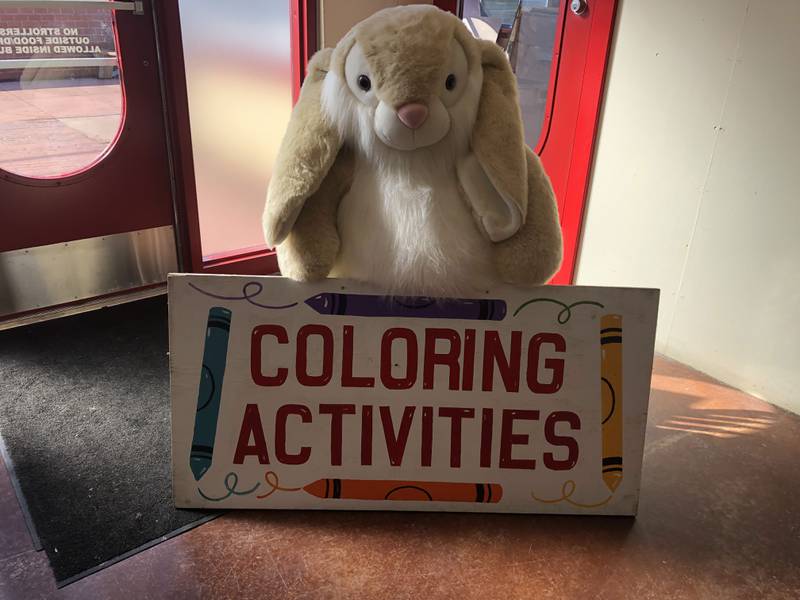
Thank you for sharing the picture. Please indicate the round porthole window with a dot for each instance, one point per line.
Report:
(61, 93)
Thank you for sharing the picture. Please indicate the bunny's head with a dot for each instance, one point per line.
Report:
(408, 80)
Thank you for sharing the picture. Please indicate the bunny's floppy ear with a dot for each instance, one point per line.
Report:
(495, 175)
(306, 154)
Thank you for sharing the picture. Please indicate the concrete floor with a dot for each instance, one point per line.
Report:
(719, 518)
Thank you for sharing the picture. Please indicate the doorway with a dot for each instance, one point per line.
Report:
(86, 208)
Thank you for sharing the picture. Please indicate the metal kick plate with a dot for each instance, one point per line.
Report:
(44, 276)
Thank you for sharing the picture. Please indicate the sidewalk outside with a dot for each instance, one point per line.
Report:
(54, 128)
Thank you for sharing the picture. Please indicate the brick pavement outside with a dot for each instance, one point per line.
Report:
(51, 128)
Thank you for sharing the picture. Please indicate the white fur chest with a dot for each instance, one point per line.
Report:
(412, 236)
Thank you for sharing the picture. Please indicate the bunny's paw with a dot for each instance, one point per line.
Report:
(309, 261)
(525, 261)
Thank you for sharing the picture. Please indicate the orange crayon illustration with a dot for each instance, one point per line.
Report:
(611, 398)
(433, 491)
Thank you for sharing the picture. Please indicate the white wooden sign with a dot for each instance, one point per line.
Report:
(332, 396)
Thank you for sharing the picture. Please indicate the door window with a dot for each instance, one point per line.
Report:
(61, 98)
(239, 85)
(527, 31)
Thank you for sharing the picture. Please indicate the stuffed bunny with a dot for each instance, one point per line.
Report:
(404, 165)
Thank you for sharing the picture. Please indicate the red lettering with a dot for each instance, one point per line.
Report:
(280, 434)
(366, 434)
(279, 333)
(387, 379)
(426, 451)
(396, 444)
(487, 420)
(509, 439)
(560, 440)
(448, 359)
(493, 353)
(251, 426)
(348, 379)
(337, 412)
(556, 365)
(456, 415)
(468, 374)
(301, 361)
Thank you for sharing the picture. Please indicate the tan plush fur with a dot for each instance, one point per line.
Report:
(498, 138)
(404, 48)
(308, 253)
(406, 216)
(308, 149)
(533, 255)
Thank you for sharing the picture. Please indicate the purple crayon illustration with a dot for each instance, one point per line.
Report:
(420, 307)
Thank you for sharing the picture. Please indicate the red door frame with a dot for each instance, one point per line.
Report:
(566, 146)
(575, 94)
(127, 188)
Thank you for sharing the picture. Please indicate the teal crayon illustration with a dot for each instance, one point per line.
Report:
(209, 393)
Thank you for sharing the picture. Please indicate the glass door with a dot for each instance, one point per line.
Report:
(242, 67)
(239, 85)
(527, 31)
(85, 188)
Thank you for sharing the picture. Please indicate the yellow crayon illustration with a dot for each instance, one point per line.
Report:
(611, 398)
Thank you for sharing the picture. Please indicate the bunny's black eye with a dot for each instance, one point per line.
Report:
(450, 82)
(364, 83)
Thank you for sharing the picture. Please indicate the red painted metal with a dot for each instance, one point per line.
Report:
(577, 92)
(311, 39)
(303, 39)
(453, 6)
(298, 50)
(187, 218)
(256, 262)
(127, 189)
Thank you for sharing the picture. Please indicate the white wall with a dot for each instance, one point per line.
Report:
(694, 189)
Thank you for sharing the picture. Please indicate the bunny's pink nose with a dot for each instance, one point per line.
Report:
(413, 114)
